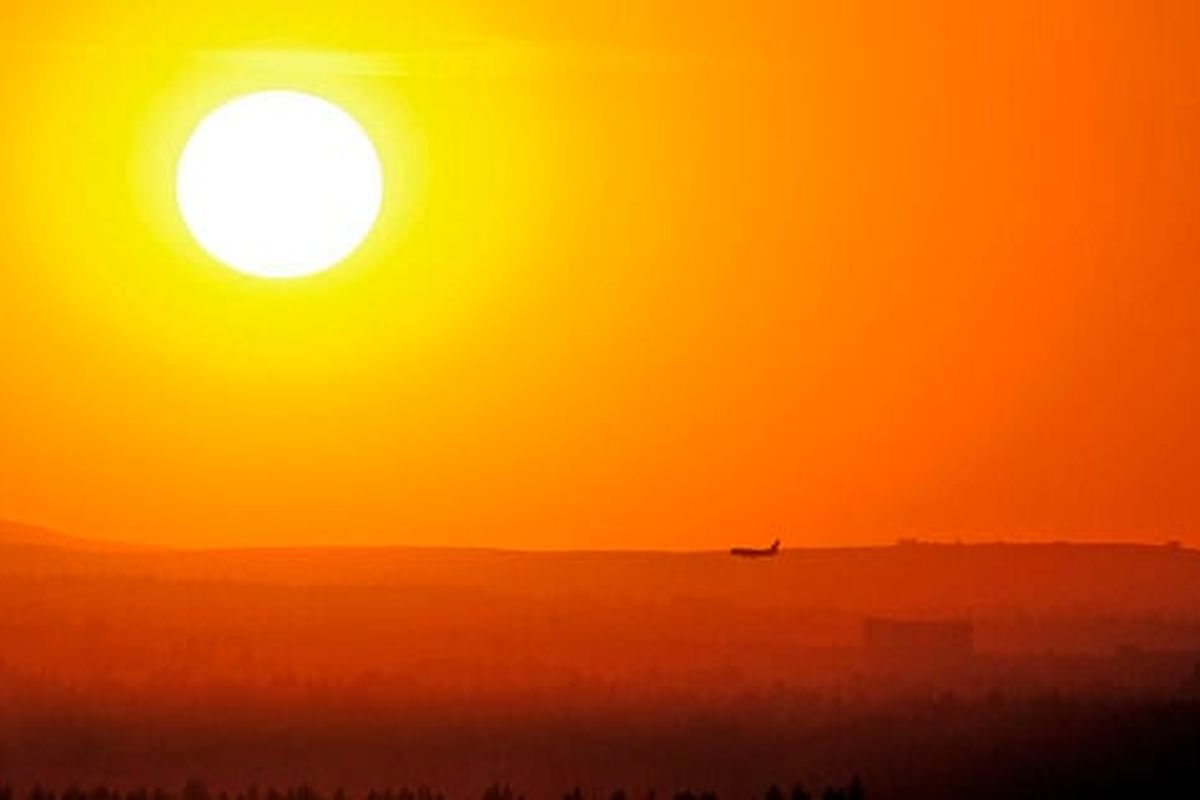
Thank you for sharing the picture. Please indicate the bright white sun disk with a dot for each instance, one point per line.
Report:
(279, 184)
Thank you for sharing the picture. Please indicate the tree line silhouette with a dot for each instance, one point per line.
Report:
(852, 791)
(197, 790)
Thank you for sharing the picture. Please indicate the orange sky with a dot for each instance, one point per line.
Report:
(651, 273)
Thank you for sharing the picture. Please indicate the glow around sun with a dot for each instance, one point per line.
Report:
(279, 184)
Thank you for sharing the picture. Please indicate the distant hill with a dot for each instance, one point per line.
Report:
(20, 534)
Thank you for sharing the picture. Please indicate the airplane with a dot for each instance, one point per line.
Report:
(756, 552)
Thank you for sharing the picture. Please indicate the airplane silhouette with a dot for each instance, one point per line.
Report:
(756, 552)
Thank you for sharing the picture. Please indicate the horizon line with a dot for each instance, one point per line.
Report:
(55, 537)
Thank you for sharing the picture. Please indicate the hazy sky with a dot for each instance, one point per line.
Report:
(648, 274)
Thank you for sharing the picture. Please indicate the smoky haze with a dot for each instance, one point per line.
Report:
(454, 668)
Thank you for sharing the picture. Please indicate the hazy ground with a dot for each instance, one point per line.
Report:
(356, 667)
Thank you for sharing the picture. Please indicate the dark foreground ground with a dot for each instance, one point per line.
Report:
(941, 747)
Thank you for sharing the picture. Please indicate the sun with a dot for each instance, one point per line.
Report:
(279, 184)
